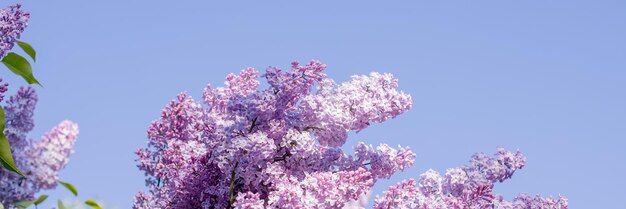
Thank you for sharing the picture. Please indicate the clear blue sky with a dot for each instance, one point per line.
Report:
(547, 77)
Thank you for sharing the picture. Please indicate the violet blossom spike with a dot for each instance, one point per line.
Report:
(51, 154)
(19, 112)
(466, 187)
(13, 21)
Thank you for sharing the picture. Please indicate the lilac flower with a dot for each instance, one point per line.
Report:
(466, 187)
(276, 147)
(321, 190)
(249, 200)
(352, 106)
(13, 20)
(384, 160)
(41, 160)
(430, 183)
(49, 155)
(454, 181)
(19, 114)
(526, 201)
(401, 195)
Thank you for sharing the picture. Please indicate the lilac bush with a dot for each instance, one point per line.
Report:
(39, 160)
(280, 147)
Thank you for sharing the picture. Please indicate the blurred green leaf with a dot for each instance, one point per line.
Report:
(1, 206)
(20, 66)
(61, 205)
(40, 199)
(5, 148)
(28, 49)
(93, 204)
(69, 187)
(23, 204)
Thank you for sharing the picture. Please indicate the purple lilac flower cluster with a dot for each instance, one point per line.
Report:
(39, 160)
(466, 187)
(13, 20)
(280, 147)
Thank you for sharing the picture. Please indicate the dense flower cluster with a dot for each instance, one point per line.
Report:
(465, 187)
(39, 160)
(13, 20)
(280, 147)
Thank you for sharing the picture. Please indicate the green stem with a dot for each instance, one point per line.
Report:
(232, 186)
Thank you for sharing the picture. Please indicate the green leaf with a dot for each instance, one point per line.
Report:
(69, 187)
(5, 148)
(61, 205)
(1, 206)
(93, 204)
(23, 204)
(40, 199)
(28, 49)
(20, 66)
